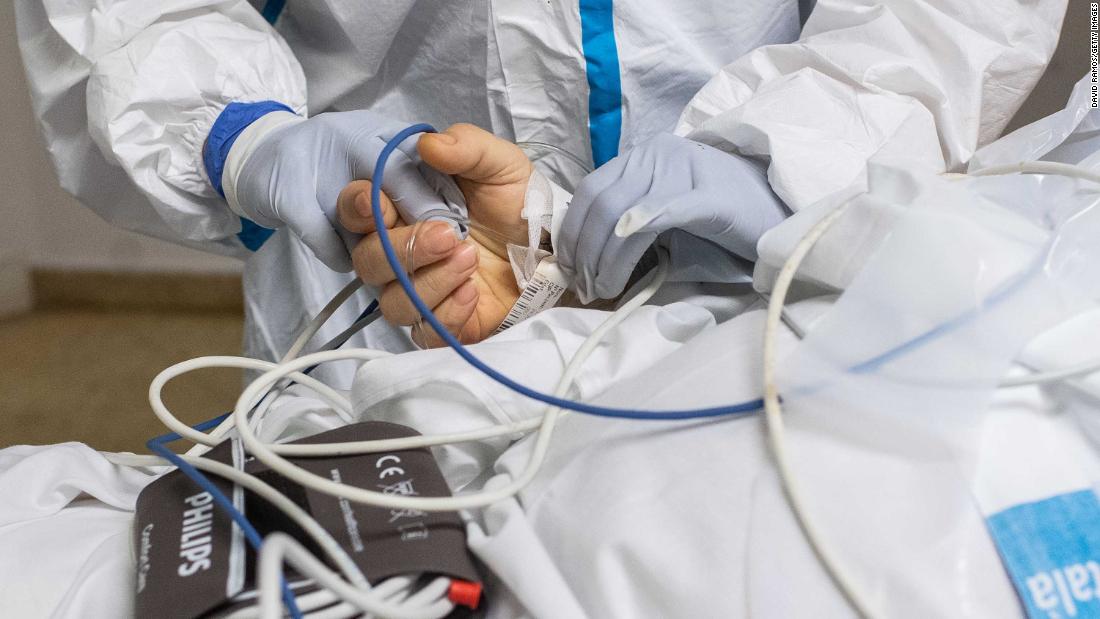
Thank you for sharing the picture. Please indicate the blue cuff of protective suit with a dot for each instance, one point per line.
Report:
(227, 128)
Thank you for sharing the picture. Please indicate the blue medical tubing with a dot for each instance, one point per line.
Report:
(367, 312)
(156, 445)
(336, 343)
(452, 341)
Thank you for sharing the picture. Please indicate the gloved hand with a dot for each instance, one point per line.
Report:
(293, 175)
(664, 184)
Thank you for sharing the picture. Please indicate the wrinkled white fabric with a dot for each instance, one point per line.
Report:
(65, 527)
(1072, 343)
(688, 519)
(899, 375)
(658, 513)
(1071, 135)
(126, 90)
(414, 388)
(626, 518)
(624, 514)
(919, 81)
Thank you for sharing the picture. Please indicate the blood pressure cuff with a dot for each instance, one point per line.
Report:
(192, 560)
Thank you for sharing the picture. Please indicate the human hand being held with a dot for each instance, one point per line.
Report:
(468, 284)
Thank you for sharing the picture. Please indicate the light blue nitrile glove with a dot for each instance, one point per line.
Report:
(292, 173)
(665, 187)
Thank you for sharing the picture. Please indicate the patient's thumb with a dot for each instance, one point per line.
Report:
(472, 153)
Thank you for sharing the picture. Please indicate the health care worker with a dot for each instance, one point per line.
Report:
(148, 107)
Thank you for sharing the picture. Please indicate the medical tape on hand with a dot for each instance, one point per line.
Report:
(538, 210)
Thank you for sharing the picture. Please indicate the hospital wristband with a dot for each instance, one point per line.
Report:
(540, 280)
(542, 291)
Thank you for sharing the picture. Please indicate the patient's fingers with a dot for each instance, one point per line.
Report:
(354, 211)
(435, 240)
(454, 312)
(433, 283)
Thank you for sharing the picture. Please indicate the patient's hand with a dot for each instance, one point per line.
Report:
(469, 285)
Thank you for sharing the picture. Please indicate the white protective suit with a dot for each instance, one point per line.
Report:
(126, 91)
(675, 519)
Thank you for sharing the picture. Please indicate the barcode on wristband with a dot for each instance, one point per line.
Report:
(542, 292)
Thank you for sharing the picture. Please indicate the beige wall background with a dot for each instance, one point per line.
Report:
(41, 226)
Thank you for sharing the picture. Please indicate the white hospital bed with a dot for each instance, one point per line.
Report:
(626, 519)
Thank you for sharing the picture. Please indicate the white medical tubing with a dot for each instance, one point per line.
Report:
(296, 347)
(334, 398)
(218, 433)
(398, 594)
(311, 605)
(773, 415)
(280, 547)
(277, 463)
(392, 587)
(334, 449)
(1039, 167)
(322, 603)
(308, 603)
(435, 590)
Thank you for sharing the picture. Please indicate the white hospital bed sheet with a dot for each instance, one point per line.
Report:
(689, 519)
(627, 518)
(65, 532)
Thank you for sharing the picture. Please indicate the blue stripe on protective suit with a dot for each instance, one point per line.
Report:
(605, 92)
(224, 132)
(272, 9)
